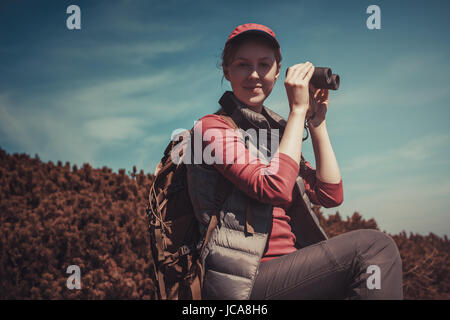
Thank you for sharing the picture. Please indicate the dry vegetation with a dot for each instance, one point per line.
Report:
(55, 215)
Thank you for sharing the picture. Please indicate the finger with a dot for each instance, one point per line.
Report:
(324, 94)
(318, 93)
(306, 71)
(309, 74)
(294, 74)
(320, 99)
(302, 71)
(296, 69)
(292, 69)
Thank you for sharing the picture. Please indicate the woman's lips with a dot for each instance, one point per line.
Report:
(254, 89)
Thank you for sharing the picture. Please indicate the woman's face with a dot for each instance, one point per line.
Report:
(253, 73)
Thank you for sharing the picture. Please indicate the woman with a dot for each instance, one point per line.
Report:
(268, 245)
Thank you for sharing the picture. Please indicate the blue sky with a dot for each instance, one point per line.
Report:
(112, 93)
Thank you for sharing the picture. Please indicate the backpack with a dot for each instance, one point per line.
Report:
(175, 240)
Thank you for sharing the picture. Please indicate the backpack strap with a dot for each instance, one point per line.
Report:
(227, 118)
(223, 190)
(248, 215)
(196, 285)
(230, 121)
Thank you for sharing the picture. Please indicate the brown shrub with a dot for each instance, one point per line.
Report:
(52, 216)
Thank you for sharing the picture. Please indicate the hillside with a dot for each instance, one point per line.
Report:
(56, 215)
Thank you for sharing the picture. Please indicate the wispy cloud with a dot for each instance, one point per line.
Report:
(144, 156)
(47, 134)
(126, 52)
(409, 203)
(407, 80)
(413, 152)
(399, 188)
(114, 129)
(75, 125)
(158, 95)
(12, 127)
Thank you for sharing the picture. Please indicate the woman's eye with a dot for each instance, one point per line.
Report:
(246, 65)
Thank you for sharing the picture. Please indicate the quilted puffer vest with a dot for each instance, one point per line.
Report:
(232, 256)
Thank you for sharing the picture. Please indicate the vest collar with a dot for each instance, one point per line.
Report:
(246, 118)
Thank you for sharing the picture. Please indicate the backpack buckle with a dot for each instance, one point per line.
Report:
(184, 250)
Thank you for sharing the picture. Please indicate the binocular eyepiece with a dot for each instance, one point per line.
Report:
(323, 78)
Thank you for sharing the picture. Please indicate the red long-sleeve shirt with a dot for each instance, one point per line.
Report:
(246, 172)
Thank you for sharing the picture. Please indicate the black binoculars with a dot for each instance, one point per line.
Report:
(323, 78)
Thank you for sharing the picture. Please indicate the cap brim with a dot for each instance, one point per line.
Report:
(256, 31)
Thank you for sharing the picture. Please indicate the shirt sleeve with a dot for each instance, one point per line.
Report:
(321, 193)
(271, 182)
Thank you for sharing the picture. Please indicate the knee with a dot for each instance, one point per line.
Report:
(380, 243)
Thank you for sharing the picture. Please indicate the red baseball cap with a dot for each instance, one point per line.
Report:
(253, 28)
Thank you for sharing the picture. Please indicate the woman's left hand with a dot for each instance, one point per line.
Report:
(319, 104)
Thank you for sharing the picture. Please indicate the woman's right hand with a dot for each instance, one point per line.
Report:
(297, 86)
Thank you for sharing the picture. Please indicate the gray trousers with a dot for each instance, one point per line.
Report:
(360, 264)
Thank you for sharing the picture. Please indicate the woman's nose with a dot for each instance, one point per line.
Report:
(254, 74)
